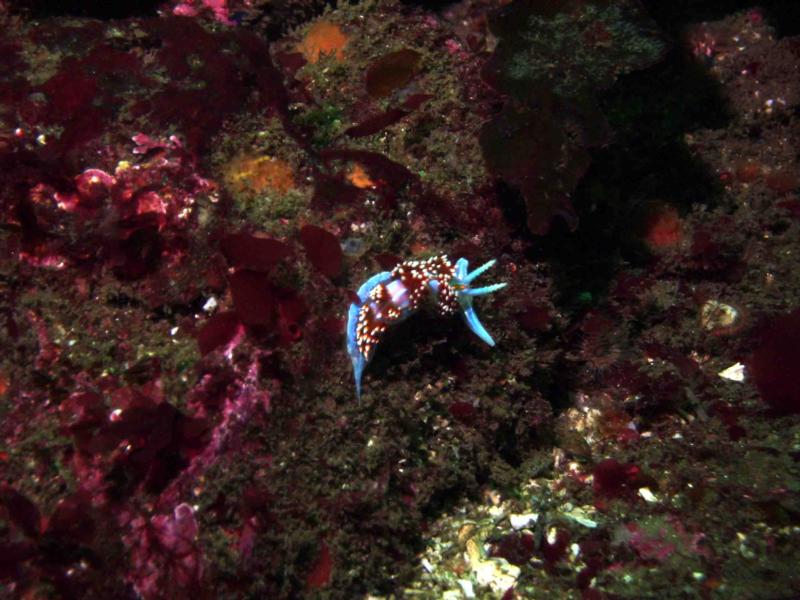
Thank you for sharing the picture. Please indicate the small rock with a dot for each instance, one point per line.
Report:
(522, 521)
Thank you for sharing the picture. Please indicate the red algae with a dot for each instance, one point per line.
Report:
(375, 123)
(463, 411)
(660, 539)
(166, 559)
(253, 252)
(292, 312)
(71, 92)
(516, 548)
(331, 192)
(729, 415)
(21, 511)
(217, 331)
(555, 550)
(748, 171)
(391, 72)
(663, 229)
(519, 147)
(219, 10)
(320, 574)
(774, 363)
(83, 414)
(612, 479)
(535, 318)
(782, 181)
(72, 519)
(252, 297)
(323, 250)
(387, 261)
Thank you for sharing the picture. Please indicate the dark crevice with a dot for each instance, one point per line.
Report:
(93, 9)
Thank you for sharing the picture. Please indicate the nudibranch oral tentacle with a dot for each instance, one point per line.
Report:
(390, 296)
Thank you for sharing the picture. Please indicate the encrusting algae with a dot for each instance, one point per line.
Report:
(323, 38)
(248, 173)
(359, 177)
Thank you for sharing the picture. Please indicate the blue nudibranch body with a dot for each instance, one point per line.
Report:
(389, 297)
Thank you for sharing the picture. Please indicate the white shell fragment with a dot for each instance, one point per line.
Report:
(647, 495)
(733, 373)
(210, 304)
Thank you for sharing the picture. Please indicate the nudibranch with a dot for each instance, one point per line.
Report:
(389, 297)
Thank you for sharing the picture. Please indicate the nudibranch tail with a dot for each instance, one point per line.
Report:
(389, 297)
(358, 359)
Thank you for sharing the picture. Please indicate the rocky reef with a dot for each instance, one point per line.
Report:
(190, 194)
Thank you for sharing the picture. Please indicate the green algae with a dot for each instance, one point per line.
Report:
(37, 465)
(89, 341)
(325, 123)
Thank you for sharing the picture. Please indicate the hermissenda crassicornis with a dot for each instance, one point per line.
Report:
(390, 296)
